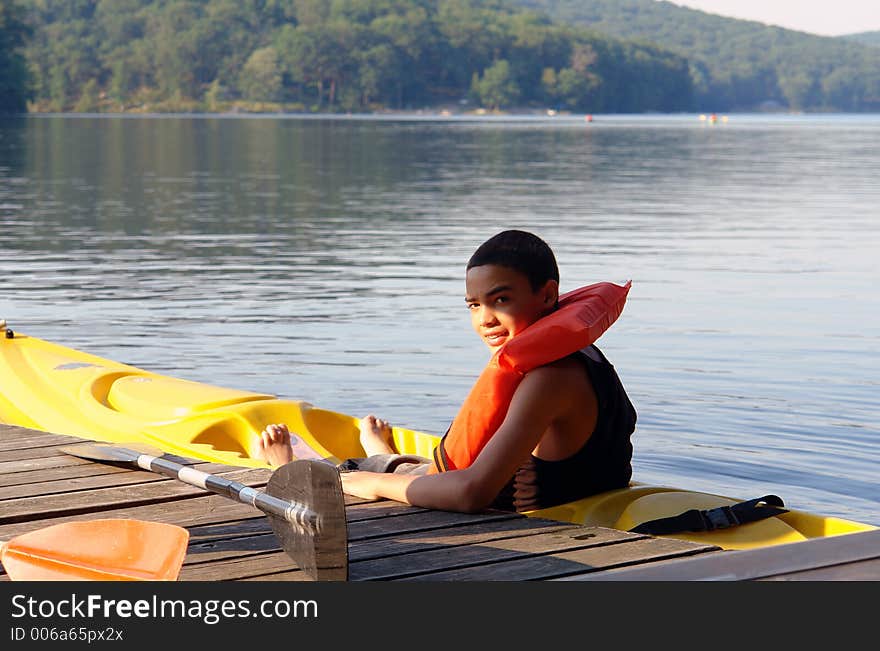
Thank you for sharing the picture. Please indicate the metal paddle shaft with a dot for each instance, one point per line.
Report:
(303, 501)
(297, 514)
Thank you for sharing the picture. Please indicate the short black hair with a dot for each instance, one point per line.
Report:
(520, 251)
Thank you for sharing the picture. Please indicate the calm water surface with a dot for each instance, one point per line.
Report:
(323, 260)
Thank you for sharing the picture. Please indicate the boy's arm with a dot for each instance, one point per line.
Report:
(539, 399)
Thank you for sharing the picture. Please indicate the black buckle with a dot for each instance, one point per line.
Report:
(720, 518)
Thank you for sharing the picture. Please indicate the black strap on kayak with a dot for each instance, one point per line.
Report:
(722, 517)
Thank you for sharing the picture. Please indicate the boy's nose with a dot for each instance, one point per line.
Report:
(487, 317)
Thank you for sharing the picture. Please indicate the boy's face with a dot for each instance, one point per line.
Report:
(502, 302)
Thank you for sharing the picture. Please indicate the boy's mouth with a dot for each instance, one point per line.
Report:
(495, 338)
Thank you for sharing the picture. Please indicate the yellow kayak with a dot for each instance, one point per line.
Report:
(53, 388)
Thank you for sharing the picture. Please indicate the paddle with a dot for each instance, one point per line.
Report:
(303, 501)
(97, 550)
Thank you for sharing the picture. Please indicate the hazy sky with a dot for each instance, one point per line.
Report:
(825, 17)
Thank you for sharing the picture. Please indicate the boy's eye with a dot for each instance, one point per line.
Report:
(502, 299)
(472, 306)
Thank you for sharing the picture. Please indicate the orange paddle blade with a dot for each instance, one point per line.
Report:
(97, 550)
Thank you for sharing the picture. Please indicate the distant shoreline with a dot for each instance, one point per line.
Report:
(445, 111)
(708, 118)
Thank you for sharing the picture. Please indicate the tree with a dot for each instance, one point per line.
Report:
(261, 78)
(88, 99)
(69, 60)
(376, 69)
(497, 87)
(308, 55)
(15, 87)
(799, 88)
(410, 32)
(473, 32)
(549, 86)
(176, 54)
(311, 12)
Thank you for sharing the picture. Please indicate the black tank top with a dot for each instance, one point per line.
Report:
(603, 463)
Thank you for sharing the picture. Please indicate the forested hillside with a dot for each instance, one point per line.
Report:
(868, 38)
(738, 64)
(360, 55)
(336, 55)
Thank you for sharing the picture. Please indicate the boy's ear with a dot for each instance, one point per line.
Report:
(551, 292)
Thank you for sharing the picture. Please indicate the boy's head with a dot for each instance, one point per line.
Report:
(521, 251)
(512, 281)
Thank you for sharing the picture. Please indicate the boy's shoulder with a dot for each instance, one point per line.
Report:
(561, 371)
(557, 385)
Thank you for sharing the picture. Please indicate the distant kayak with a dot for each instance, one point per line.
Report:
(52, 388)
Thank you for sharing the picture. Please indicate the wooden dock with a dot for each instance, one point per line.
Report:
(40, 486)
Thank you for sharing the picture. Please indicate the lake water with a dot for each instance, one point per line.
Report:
(322, 259)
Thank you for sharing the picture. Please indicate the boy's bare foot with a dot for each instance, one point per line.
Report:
(273, 446)
(376, 436)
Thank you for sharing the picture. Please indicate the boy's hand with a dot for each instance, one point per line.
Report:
(360, 484)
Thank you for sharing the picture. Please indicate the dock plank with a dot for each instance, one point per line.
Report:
(59, 481)
(195, 510)
(865, 570)
(577, 559)
(261, 567)
(436, 562)
(447, 538)
(39, 462)
(779, 561)
(22, 439)
(145, 491)
(58, 474)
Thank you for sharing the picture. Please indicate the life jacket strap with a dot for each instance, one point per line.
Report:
(441, 460)
(721, 517)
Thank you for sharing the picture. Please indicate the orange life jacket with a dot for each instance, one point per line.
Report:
(580, 319)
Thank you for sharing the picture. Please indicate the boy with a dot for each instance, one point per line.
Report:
(525, 439)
